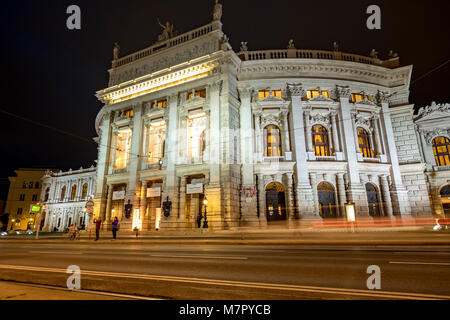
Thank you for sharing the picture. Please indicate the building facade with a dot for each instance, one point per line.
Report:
(65, 196)
(192, 131)
(433, 128)
(24, 191)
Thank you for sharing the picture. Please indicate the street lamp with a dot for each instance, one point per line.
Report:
(205, 222)
(350, 213)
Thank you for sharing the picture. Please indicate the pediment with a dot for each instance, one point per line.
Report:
(321, 98)
(433, 112)
(194, 101)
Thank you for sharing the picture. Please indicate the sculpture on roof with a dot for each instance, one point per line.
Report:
(244, 46)
(116, 51)
(392, 54)
(374, 54)
(291, 44)
(335, 46)
(217, 13)
(168, 31)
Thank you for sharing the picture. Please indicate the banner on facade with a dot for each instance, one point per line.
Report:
(119, 195)
(194, 188)
(153, 192)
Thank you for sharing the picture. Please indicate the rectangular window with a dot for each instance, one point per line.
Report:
(198, 93)
(162, 104)
(277, 93)
(357, 97)
(122, 150)
(129, 113)
(34, 197)
(263, 94)
(22, 197)
(19, 210)
(312, 94)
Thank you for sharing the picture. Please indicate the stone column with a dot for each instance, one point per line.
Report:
(248, 205)
(146, 139)
(170, 185)
(386, 195)
(428, 152)
(290, 197)
(287, 145)
(184, 219)
(356, 192)
(107, 220)
(313, 179)
(331, 143)
(304, 194)
(341, 192)
(378, 143)
(262, 201)
(143, 204)
(399, 194)
(104, 154)
(337, 145)
(308, 132)
(258, 137)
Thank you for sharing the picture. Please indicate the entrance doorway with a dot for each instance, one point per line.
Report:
(373, 201)
(445, 199)
(327, 200)
(275, 202)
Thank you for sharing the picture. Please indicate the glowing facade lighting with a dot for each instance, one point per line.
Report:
(350, 212)
(137, 222)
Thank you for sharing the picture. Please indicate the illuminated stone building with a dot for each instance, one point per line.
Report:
(261, 135)
(65, 195)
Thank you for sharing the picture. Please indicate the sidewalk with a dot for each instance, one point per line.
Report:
(18, 291)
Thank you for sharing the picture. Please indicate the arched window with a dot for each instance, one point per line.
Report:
(73, 192)
(365, 146)
(320, 141)
(327, 200)
(63, 193)
(84, 191)
(273, 141)
(372, 200)
(441, 148)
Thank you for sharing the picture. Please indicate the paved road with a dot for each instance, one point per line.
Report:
(172, 271)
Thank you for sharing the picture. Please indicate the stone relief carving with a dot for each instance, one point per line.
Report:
(267, 120)
(341, 92)
(161, 63)
(319, 118)
(430, 135)
(364, 122)
(445, 108)
(296, 90)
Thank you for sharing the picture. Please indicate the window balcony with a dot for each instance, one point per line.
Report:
(273, 159)
(325, 158)
(120, 171)
(441, 168)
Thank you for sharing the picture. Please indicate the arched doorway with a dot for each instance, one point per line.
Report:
(445, 199)
(275, 202)
(327, 200)
(372, 200)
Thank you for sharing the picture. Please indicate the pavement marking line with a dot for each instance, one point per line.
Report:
(283, 287)
(55, 252)
(420, 263)
(198, 257)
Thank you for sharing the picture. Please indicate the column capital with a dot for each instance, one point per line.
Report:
(245, 93)
(173, 98)
(295, 90)
(216, 85)
(342, 92)
(382, 97)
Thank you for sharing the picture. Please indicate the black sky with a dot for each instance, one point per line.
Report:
(50, 74)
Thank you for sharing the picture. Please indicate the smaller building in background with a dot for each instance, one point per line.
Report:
(433, 125)
(24, 191)
(65, 195)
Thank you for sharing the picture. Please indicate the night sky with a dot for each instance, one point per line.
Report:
(50, 74)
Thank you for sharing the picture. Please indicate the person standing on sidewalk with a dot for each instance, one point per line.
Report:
(115, 227)
(98, 224)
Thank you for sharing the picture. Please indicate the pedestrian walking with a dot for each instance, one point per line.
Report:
(98, 224)
(115, 227)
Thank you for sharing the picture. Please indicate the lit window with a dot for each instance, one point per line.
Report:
(277, 93)
(365, 146)
(122, 152)
(73, 192)
(196, 126)
(273, 141)
(263, 94)
(156, 141)
(320, 141)
(161, 104)
(441, 148)
(198, 93)
(84, 191)
(128, 113)
(356, 97)
(63, 193)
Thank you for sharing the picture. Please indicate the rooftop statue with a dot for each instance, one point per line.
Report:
(244, 46)
(168, 31)
(291, 44)
(374, 54)
(217, 13)
(335, 46)
(116, 51)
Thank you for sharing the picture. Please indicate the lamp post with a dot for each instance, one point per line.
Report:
(205, 222)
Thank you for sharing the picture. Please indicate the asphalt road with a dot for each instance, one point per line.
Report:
(235, 272)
